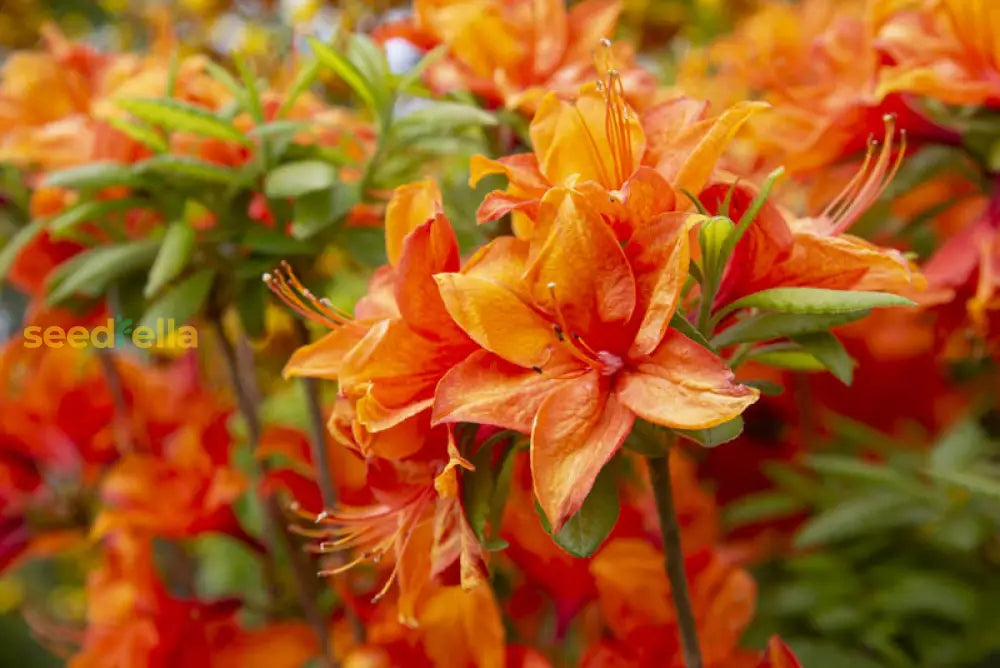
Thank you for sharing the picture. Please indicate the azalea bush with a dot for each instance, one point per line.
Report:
(501, 333)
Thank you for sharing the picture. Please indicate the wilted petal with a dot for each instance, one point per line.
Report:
(682, 385)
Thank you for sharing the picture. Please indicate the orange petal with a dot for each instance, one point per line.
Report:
(701, 160)
(778, 655)
(430, 249)
(581, 270)
(578, 428)
(682, 385)
(589, 21)
(322, 358)
(411, 205)
(487, 389)
(463, 628)
(659, 254)
(496, 319)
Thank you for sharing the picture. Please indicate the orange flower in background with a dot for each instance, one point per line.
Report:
(576, 346)
(533, 47)
(814, 251)
(389, 357)
(942, 49)
(816, 63)
(634, 598)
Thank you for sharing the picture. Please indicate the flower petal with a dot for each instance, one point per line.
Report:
(578, 428)
(411, 205)
(495, 318)
(323, 358)
(682, 385)
(486, 389)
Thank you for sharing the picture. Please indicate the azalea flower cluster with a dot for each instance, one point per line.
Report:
(530, 354)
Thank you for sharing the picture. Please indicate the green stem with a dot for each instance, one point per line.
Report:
(659, 475)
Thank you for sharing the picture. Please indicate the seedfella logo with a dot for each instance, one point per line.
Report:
(116, 333)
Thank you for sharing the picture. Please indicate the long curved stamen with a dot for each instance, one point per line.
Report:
(287, 287)
(868, 184)
(617, 127)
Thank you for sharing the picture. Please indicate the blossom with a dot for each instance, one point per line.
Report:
(576, 345)
(814, 251)
(389, 356)
(534, 47)
(942, 49)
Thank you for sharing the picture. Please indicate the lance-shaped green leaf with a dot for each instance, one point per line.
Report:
(349, 73)
(251, 91)
(190, 168)
(713, 436)
(93, 175)
(584, 532)
(484, 490)
(305, 78)
(173, 256)
(90, 272)
(316, 211)
(180, 116)
(825, 347)
(814, 300)
(181, 302)
(295, 179)
(682, 325)
(140, 133)
(439, 119)
(787, 357)
(768, 326)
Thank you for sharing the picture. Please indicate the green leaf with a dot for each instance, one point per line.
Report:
(278, 130)
(14, 245)
(825, 347)
(815, 300)
(484, 490)
(750, 214)
(92, 210)
(761, 507)
(191, 168)
(140, 133)
(862, 471)
(682, 325)
(305, 78)
(295, 179)
(181, 302)
(276, 243)
(713, 436)
(251, 92)
(589, 527)
(93, 175)
(91, 271)
(348, 72)
(767, 326)
(316, 211)
(227, 567)
(960, 447)
(440, 118)
(789, 358)
(180, 116)
(767, 387)
(175, 252)
(973, 482)
(872, 513)
(224, 77)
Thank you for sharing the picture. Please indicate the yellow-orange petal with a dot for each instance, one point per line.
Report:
(578, 428)
(682, 385)
(411, 205)
(322, 358)
(496, 319)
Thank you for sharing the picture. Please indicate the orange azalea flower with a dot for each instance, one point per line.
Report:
(415, 518)
(389, 357)
(814, 251)
(534, 47)
(944, 49)
(134, 621)
(816, 63)
(634, 598)
(629, 170)
(576, 346)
